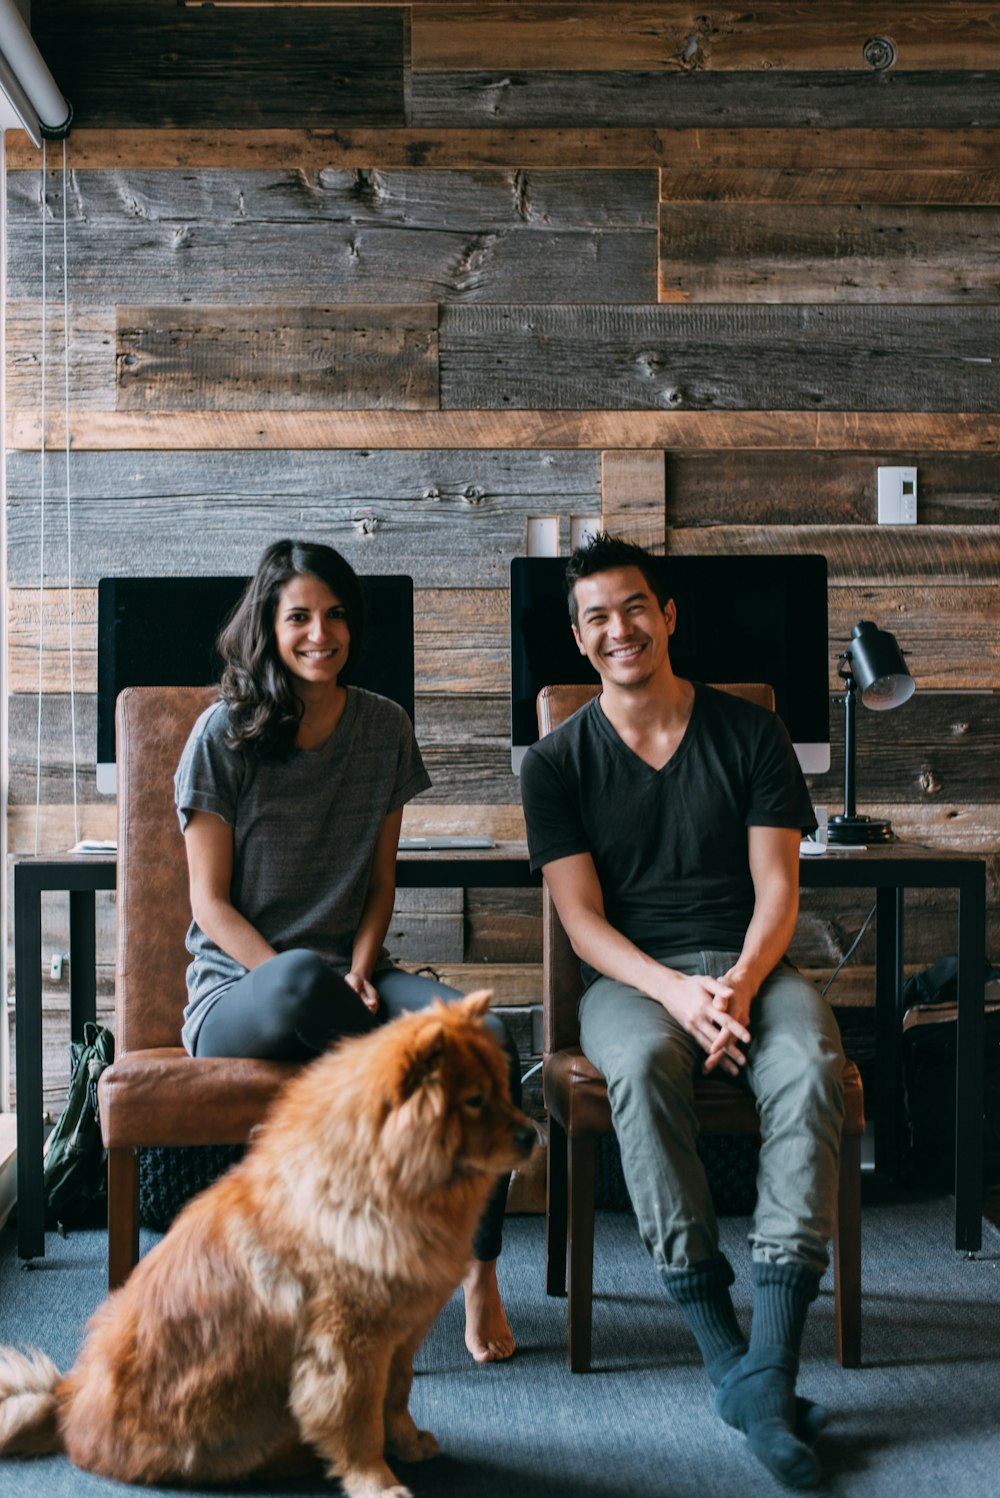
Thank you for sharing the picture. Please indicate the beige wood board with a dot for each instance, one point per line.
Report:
(843, 431)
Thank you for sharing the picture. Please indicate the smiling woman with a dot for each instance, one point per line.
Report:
(290, 794)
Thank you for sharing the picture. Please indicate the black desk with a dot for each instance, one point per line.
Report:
(890, 871)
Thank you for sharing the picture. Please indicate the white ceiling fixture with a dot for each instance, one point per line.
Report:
(30, 99)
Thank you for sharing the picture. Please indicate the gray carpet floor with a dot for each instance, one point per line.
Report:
(921, 1417)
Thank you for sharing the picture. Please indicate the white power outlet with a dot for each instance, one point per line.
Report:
(897, 496)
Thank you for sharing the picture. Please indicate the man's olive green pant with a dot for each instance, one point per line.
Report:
(794, 1069)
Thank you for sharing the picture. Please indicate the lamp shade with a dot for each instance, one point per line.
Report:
(878, 667)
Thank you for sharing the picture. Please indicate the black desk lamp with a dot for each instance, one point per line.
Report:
(873, 667)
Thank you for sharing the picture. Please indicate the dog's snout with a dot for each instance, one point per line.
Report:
(525, 1138)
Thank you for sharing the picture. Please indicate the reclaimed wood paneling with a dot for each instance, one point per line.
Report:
(759, 252)
(825, 488)
(633, 497)
(143, 63)
(503, 925)
(462, 642)
(347, 236)
(91, 355)
(842, 185)
(277, 358)
(758, 156)
(512, 98)
(771, 431)
(748, 357)
(682, 38)
(135, 514)
(43, 617)
(870, 554)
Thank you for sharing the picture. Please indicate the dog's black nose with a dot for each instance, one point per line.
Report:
(525, 1138)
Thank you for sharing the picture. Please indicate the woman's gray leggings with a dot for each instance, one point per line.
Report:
(295, 1005)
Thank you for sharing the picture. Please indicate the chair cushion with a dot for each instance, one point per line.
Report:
(576, 1095)
(165, 1096)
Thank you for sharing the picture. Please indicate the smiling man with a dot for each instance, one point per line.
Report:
(666, 818)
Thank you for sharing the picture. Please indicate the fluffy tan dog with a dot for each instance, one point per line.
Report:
(277, 1319)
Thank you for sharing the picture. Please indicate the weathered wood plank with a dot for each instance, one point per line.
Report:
(277, 358)
(813, 488)
(950, 634)
(781, 111)
(462, 642)
(465, 738)
(759, 252)
(750, 101)
(331, 236)
(91, 355)
(866, 554)
(852, 185)
(941, 746)
(747, 357)
(503, 925)
(765, 431)
(34, 617)
(680, 38)
(633, 495)
(125, 64)
(512, 983)
(444, 518)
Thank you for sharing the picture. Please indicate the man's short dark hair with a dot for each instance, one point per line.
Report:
(600, 554)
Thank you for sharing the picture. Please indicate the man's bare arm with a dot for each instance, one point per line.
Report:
(577, 893)
(774, 869)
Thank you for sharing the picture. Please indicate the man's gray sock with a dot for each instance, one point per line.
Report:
(757, 1395)
(707, 1306)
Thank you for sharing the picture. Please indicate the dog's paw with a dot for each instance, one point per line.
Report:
(413, 1445)
(371, 1485)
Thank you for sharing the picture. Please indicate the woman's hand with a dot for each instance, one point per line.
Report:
(363, 988)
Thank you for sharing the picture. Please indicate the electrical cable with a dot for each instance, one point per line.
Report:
(867, 922)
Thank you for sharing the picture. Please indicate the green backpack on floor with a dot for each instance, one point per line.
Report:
(75, 1173)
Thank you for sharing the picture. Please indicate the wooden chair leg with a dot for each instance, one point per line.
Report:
(555, 1211)
(123, 1214)
(847, 1255)
(580, 1197)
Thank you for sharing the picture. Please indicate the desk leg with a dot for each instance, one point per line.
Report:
(82, 961)
(969, 1063)
(888, 1030)
(28, 1053)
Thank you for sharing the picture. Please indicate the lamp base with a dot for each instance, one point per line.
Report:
(866, 830)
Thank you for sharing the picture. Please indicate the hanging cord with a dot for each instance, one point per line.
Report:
(69, 507)
(41, 522)
(868, 920)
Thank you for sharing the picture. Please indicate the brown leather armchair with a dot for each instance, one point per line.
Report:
(576, 1098)
(155, 1093)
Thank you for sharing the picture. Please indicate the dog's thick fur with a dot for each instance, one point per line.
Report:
(277, 1319)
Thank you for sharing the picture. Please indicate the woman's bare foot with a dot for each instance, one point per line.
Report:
(487, 1331)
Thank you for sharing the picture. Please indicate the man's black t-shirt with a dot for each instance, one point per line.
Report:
(669, 845)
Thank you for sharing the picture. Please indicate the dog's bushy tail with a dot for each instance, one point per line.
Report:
(28, 1424)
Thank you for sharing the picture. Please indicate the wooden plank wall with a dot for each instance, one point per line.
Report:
(402, 276)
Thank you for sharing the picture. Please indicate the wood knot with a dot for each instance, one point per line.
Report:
(929, 782)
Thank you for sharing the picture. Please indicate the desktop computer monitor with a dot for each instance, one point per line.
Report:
(161, 631)
(739, 618)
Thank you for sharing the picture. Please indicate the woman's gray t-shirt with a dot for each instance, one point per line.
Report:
(304, 832)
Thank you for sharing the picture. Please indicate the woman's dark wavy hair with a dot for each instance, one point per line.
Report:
(600, 554)
(256, 687)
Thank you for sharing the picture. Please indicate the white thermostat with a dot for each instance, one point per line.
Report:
(897, 496)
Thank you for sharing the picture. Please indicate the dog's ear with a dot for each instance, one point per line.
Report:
(477, 1004)
(424, 1058)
